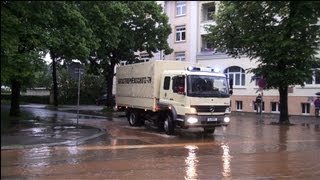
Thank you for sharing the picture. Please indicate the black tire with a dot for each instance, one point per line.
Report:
(160, 123)
(209, 130)
(133, 118)
(168, 125)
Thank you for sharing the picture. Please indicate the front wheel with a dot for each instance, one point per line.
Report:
(168, 124)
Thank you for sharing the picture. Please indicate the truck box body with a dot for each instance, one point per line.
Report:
(139, 84)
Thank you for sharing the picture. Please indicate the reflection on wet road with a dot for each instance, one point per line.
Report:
(226, 159)
(246, 149)
(191, 162)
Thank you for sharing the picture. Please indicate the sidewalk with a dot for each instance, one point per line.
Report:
(40, 133)
(34, 137)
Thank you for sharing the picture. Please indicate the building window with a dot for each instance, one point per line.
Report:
(237, 74)
(181, 8)
(206, 46)
(315, 78)
(305, 107)
(144, 57)
(208, 10)
(180, 33)
(239, 105)
(275, 107)
(180, 56)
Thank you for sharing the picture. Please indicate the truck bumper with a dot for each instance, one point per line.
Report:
(206, 120)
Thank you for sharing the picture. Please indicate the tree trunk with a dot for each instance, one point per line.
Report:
(54, 79)
(15, 98)
(109, 78)
(284, 116)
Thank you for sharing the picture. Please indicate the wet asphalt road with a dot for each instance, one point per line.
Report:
(249, 148)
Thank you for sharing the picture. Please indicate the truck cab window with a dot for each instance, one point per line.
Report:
(207, 86)
(178, 85)
(166, 84)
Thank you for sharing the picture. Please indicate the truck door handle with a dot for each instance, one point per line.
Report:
(171, 99)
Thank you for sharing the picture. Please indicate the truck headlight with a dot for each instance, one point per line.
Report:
(226, 119)
(192, 120)
(227, 110)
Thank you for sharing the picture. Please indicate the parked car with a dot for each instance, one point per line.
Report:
(102, 100)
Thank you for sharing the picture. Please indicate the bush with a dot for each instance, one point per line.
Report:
(28, 99)
(91, 87)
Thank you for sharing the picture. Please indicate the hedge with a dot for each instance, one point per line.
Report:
(29, 99)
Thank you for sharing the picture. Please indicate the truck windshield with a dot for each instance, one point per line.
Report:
(207, 86)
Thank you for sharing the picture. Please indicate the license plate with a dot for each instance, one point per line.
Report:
(212, 119)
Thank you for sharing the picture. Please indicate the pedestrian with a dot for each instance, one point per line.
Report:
(317, 106)
(258, 103)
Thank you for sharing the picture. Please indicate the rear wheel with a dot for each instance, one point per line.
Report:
(168, 125)
(209, 130)
(134, 118)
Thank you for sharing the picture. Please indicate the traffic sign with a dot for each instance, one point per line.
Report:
(74, 69)
(262, 83)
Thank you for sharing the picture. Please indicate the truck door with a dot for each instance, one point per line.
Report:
(175, 92)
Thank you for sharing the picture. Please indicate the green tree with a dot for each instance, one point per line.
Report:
(283, 36)
(21, 46)
(105, 18)
(124, 28)
(42, 78)
(69, 37)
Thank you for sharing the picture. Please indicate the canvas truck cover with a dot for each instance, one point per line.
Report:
(138, 85)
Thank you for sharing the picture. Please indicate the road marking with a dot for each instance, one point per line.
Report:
(115, 147)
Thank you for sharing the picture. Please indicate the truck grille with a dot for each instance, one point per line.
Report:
(210, 108)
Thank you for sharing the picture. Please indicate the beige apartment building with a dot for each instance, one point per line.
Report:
(188, 19)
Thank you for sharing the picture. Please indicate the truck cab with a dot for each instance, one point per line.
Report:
(196, 97)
